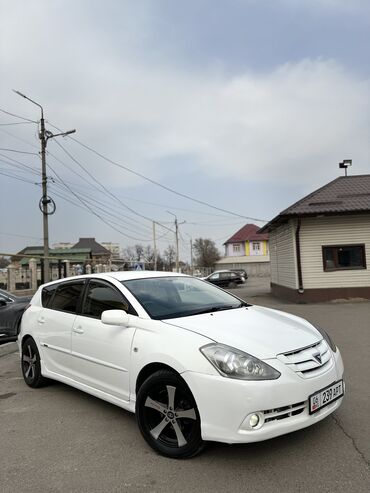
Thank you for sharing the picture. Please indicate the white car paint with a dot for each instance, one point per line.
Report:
(105, 360)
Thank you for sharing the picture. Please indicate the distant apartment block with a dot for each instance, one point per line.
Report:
(114, 248)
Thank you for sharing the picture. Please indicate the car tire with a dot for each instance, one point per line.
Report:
(232, 284)
(168, 417)
(31, 365)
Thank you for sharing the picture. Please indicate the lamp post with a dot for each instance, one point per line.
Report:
(44, 136)
(344, 164)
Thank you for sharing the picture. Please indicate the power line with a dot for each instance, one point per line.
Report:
(14, 123)
(19, 179)
(126, 168)
(16, 162)
(105, 188)
(3, 233)
(92, 211)
(71, 191)
(92, 204)
(18, 138)
(109, 222)
(17, 116)
(20, 152)
(94, 188)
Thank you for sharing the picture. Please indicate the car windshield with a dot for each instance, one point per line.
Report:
(172, 297)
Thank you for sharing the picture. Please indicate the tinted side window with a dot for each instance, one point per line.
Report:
(47, 294)
(67, 297)
(101, 297)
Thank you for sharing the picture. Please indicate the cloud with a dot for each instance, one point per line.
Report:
(278, 125)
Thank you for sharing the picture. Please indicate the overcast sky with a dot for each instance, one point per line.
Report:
(244, 104)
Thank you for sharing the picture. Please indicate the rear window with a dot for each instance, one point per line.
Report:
(67, 297)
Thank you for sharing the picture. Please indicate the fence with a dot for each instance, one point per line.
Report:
(22, 281)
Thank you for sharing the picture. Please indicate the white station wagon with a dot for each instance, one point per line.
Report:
(194, 362)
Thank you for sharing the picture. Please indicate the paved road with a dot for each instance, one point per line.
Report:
(58, 439)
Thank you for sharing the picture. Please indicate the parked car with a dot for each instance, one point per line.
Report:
(225, 279)
(241, 272)
(11, 310)
(194, 362)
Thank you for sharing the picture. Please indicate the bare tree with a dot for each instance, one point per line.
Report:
(4, 262)
(206, 252)
(169, 257)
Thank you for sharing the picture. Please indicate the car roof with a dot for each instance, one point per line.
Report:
(120, 276)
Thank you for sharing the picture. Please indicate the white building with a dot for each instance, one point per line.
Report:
(320, 246)
(114, 248)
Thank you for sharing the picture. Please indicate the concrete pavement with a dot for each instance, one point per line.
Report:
(58, 439)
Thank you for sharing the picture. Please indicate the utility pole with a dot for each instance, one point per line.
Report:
(155, 247)
(177, 240)
(191, 257)
(44, 200)
(44, 136)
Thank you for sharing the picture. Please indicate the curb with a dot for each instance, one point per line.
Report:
(8, 348)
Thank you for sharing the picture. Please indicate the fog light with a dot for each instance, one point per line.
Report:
(254, 420)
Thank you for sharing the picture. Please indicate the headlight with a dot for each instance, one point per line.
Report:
(233, 363)
(327, 338)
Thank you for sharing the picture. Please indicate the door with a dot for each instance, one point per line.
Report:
(55, 322)
(214, 279)
(101, 353)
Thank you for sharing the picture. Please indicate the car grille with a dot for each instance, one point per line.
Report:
(310, 361)
(284, 412)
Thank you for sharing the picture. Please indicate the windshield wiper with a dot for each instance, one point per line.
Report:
(213, 309)
(243, 303)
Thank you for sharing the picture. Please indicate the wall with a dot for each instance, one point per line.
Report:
(282, 256)
(253, 269)
(229, 250)
(334, 230)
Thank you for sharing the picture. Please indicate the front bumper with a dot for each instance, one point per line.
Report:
(225, 404)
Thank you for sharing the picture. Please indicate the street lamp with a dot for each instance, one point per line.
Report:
(44, 136)
(344, 164)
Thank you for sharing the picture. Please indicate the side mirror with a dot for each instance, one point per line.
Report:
(115, 317)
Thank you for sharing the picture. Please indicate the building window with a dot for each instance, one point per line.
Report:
(236, 247)
(344, 257)
(256, 246)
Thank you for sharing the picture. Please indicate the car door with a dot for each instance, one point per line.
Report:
(54, 324)
(5, 316)
(224, 279)
(101, 353)
(214, 279)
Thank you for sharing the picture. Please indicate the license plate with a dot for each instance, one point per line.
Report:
(325, 396)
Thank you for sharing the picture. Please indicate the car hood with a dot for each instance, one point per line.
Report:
(261, 332)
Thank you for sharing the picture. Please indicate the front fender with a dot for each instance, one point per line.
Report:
(156, 342)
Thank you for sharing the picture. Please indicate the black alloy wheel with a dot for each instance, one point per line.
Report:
(31, 366)
(168, 417)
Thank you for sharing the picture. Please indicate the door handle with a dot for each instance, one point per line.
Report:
(78, 330)
(41, 320)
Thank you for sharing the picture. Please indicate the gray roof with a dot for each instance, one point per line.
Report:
(344, 195)
(94, 246)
